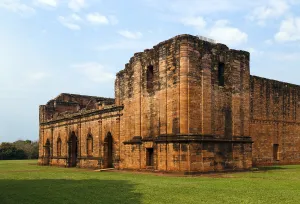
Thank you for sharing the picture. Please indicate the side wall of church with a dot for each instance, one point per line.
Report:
(275, 121)
(98, 126)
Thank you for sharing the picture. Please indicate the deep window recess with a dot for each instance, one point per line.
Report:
(221, 69)
(59, 147)
(149, 157)
(89, 145)
(275, 152)
(150, 76)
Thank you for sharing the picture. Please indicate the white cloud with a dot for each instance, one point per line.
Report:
(77, 5)
(96, 18)
(220, 31)
(113, 20)
(16, 6)
(130, 35)
(274, 9)
(224, 33)
(95, 72)
(75, 17)
(289, 30)
(71, 21)
(52, 3)
(197, 22)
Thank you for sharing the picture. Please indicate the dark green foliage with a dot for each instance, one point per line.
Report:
(8, 151)
(19, 150)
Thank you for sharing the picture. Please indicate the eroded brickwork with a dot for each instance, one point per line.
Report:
(275, 120)
(182, 106)
(191, 122)
(96, 122)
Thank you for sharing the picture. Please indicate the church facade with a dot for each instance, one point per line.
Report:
(186, 105)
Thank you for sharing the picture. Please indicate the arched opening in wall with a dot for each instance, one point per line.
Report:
(47, 153)
(72, 152)
(89, 145)
(221, 70)
(108, 151)
(150, 78)
(58, 147)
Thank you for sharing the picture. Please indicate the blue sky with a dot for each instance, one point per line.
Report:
(77, 46)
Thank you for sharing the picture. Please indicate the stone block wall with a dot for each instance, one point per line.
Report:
(174, 110)
(185, 107)
(94, 123)
(275, 120)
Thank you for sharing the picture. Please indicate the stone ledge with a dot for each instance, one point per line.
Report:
(188, 138)
(83, 114)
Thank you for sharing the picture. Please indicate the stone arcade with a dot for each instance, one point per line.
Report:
(187, 105)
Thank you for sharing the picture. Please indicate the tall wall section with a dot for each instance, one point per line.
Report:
(218, 107)
(191, 122)
(275, 121)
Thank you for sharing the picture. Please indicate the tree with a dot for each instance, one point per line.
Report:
(19, 150)
(29, 147)
(8, 152)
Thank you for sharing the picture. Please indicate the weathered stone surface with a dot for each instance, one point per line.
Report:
(174, 110)
(275, 119)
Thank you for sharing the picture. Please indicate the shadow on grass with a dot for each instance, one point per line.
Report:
(270, 168)
(67, 191)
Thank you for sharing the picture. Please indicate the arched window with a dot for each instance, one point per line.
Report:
(89, 145)
(150, 77)
(59, 147)
(47, 148)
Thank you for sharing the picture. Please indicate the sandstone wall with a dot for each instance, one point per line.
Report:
(191, 122)
(275, 120)
(169, 100)
(97, 123)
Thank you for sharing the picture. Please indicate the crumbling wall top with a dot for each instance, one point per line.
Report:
(184, 38)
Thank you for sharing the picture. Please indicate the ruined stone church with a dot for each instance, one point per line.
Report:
(186, 105)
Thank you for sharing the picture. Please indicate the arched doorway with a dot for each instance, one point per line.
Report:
(108, 151)
(72, 150)
(47, 153)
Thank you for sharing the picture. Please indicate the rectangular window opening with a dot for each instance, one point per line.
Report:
(276, 152)
(150, 78)
(149, 157)
(221, 69)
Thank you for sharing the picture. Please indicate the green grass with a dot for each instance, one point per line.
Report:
(24, 182)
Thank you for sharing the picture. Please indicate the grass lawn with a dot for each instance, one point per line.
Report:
(24, 182)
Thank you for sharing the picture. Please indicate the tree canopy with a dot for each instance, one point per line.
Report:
(19, 150)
